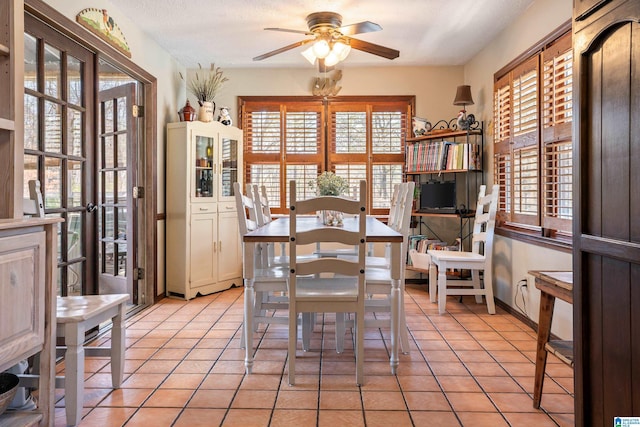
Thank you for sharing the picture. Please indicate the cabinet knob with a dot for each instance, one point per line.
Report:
(204, 209)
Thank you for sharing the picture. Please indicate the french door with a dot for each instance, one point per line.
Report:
(117, 129)
(59, 118)
(86, 166)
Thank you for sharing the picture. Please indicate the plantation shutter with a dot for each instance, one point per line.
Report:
(556, 135)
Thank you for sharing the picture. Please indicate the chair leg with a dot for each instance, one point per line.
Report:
(74, 372)
(433, 279)
(340, 331)
(404, 333)
(360, 347)
(293, 338)
(475, 279)
(442, 289)
(488, 289)
(308, 319)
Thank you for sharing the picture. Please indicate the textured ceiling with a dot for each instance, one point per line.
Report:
(426, 32)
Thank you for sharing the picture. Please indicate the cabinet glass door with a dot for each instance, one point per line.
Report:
(228, 167)
(203, 167)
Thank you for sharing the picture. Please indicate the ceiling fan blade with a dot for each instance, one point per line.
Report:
(374, 49)
(282, 49)
(286, 30)
(359, 28)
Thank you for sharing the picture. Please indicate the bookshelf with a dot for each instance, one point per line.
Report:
(446, 154)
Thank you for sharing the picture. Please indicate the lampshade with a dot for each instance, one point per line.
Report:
(309, 55)
(463, 96)
(321, 48)
(342, 49)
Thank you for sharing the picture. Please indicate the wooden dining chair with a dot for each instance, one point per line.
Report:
(270, 283)
(478, 260)
(327, 285)
(379, 283)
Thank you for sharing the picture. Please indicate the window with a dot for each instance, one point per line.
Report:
(298, 137)
(532, 138)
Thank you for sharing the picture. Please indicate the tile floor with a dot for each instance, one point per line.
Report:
(184, 367)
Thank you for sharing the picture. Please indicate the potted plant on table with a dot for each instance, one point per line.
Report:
(330, 184)
(204, 85)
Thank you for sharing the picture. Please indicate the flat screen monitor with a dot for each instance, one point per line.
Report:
(438, 196)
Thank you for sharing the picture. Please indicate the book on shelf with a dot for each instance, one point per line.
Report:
(429, 156)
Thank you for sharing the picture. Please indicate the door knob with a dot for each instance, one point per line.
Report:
(91, 207)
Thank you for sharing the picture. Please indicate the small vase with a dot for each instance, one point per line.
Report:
(205, 113)
(332, 218)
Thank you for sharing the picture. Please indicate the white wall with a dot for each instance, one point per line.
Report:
(513, 259)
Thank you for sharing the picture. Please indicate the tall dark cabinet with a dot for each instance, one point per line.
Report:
(606, 242)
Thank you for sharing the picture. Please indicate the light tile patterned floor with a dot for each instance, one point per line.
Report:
(184, 368)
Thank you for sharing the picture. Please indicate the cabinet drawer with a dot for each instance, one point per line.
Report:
(225, 207)
(203, 208)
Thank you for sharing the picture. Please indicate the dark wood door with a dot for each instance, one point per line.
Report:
(59, 150)
(607, 222)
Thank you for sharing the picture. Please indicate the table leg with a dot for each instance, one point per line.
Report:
(249, 300)
(395, 305)
(547, 303)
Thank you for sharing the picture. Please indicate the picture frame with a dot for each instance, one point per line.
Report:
(420, 126)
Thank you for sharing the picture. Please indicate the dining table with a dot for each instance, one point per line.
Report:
(278, 231)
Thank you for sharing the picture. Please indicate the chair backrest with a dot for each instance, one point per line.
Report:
(485, 222)
(355, 237)
(245, 208)
(261, 200)
(394, 216)
(33, 206)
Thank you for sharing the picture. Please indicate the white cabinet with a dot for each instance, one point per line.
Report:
(203, 243)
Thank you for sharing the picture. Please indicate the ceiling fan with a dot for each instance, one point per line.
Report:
(331, 42)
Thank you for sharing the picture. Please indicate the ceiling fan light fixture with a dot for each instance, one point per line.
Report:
(321, 48)
(309, 55)
(331, 59)
(341, 49)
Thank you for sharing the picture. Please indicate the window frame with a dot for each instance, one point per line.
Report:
(543, 139)
(327, 158)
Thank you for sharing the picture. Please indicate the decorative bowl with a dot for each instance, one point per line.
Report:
(8, 388)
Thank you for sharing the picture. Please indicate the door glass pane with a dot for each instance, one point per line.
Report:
(109, 258)
(74, 81)
(122, 224)
(269, 176)
(122, 187)
(74, 132)
(52, 182)
(109, 161)
(108, 223)
(204, 166)
(108, 117)
(229, 172)
(109, 187)
(52, 71)
(30, 62)
(74, 278)
(31, 122)
(30, 172)
(121, 253)
(52, 127)
(74, 235)
(122, 150)
(122, 114)
(74, 185)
